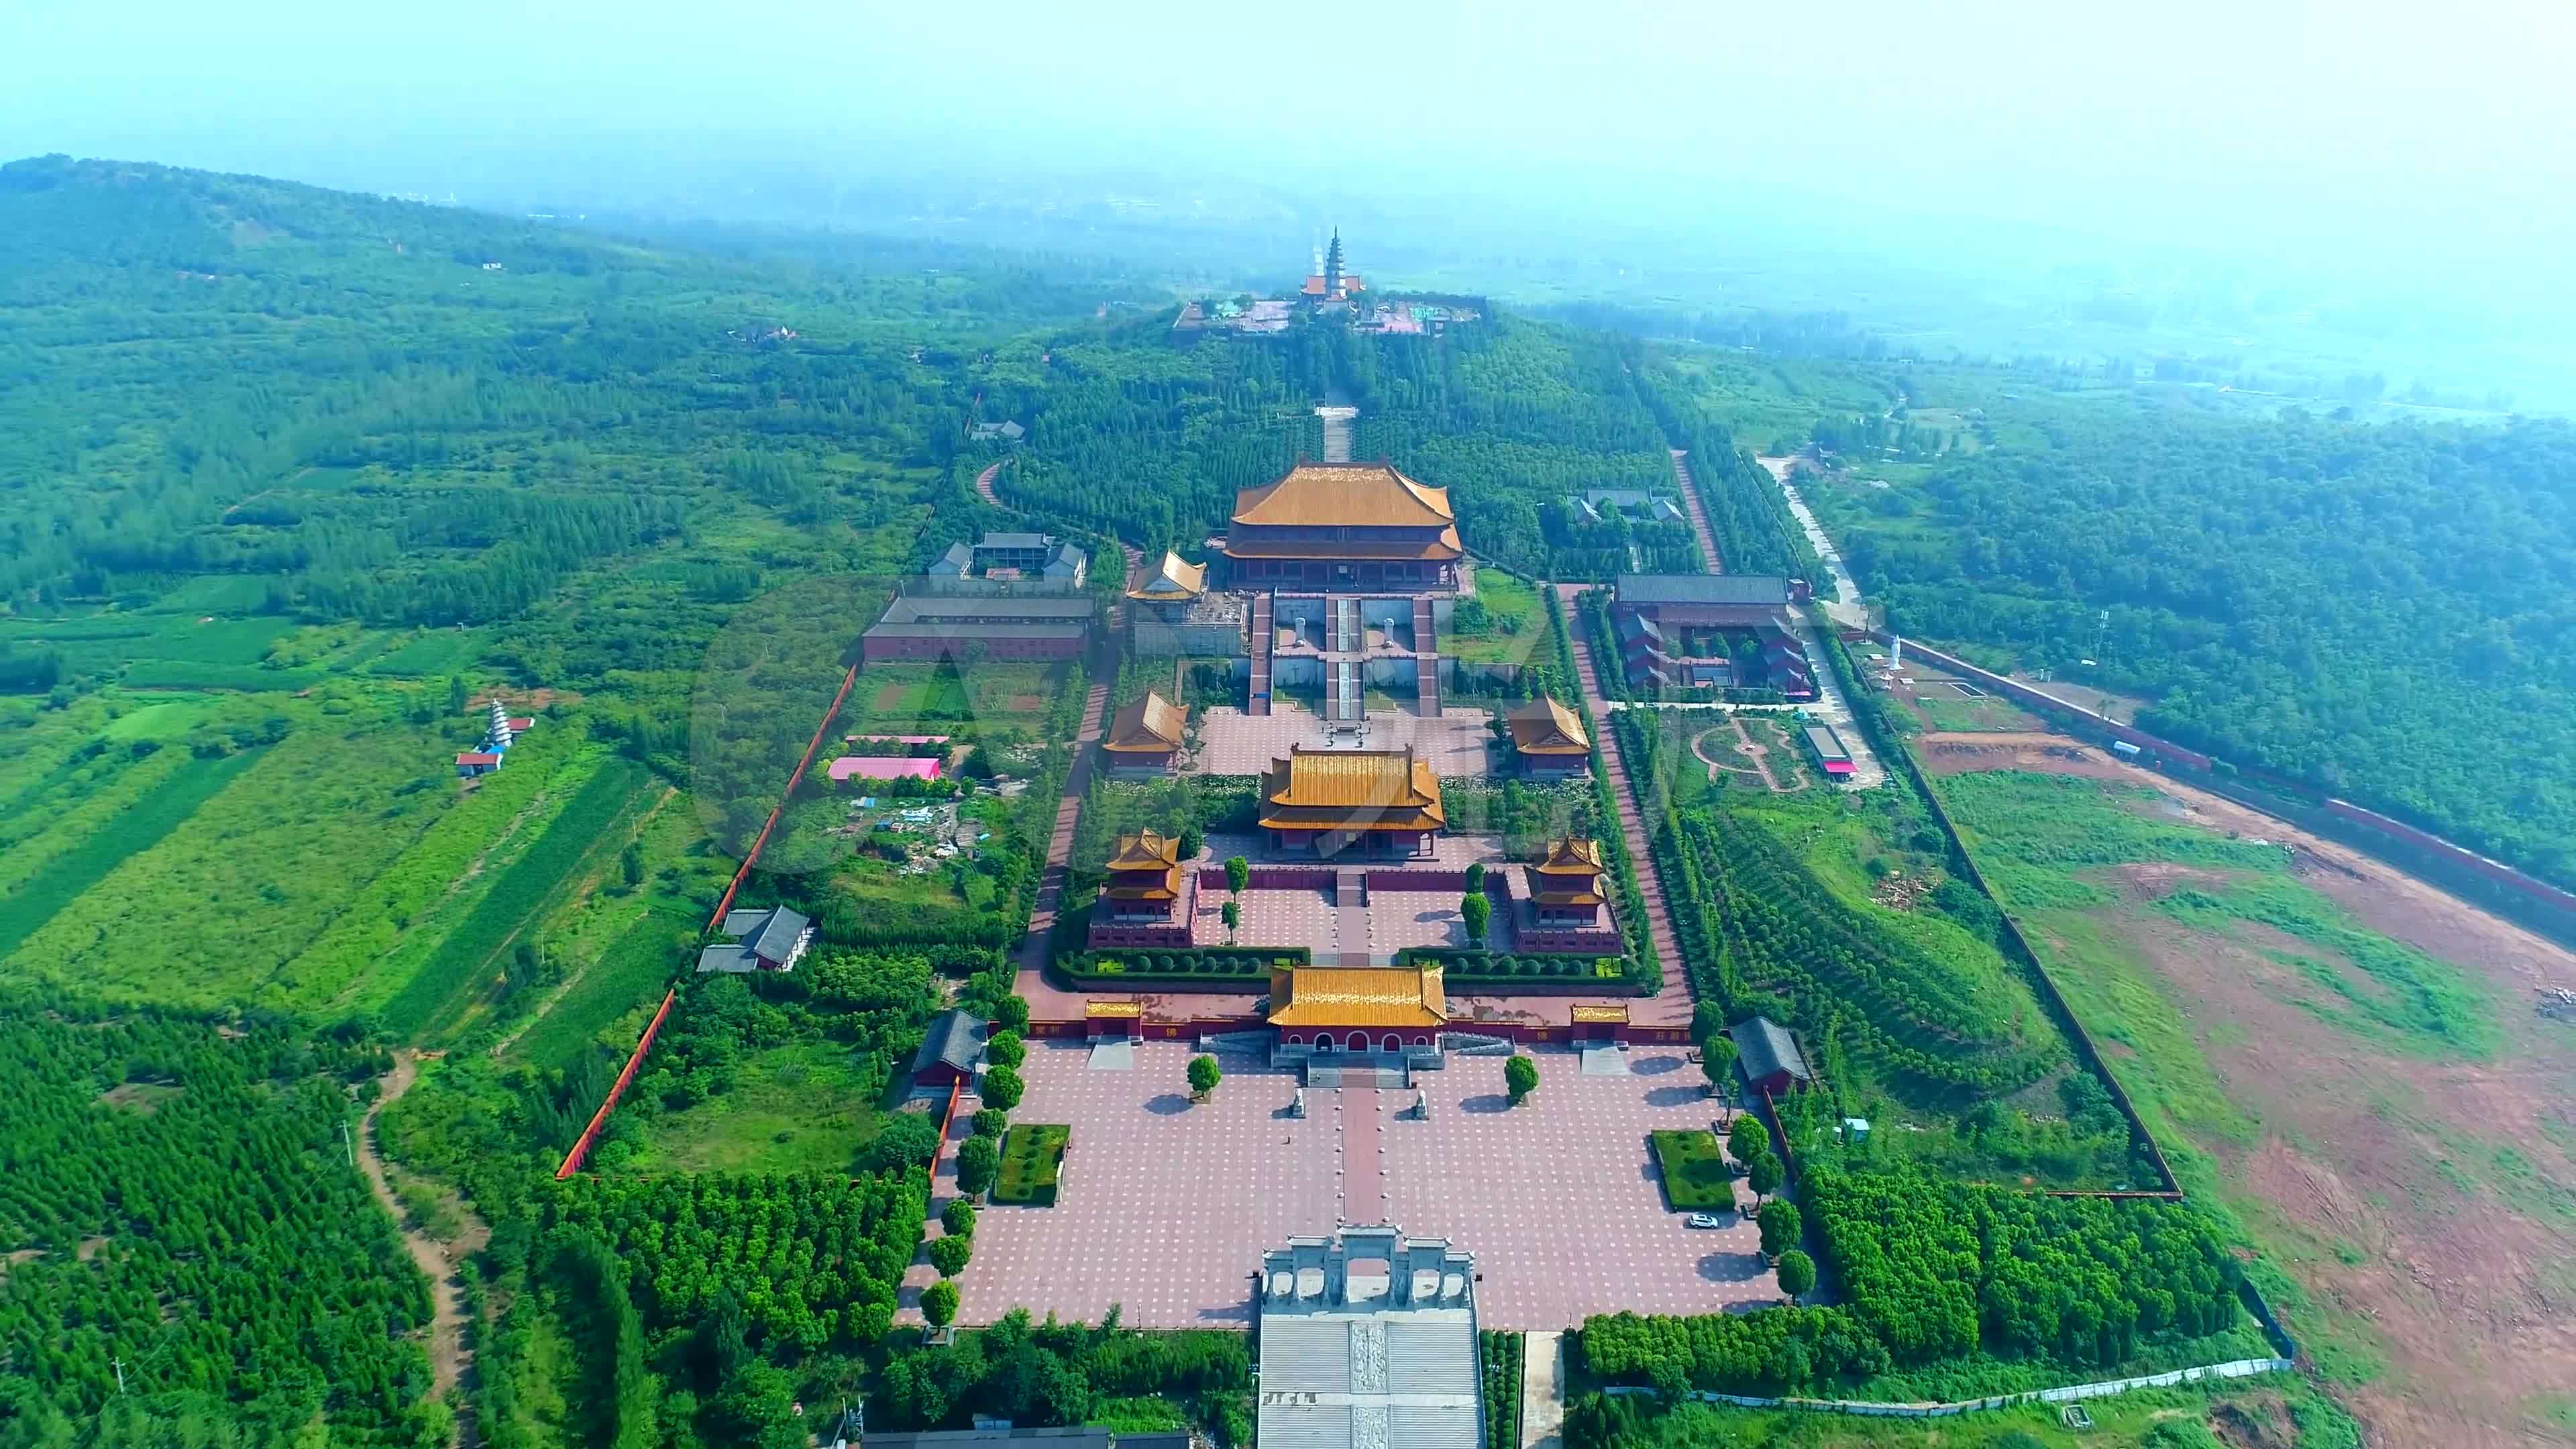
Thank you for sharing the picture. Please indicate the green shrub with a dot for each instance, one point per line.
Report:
(958, 1218)
(949, 1255)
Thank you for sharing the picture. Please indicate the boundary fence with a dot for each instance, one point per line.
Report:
(589, 1138)
(2242, 1368)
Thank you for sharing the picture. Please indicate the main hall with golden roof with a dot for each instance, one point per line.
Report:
(1343, 526)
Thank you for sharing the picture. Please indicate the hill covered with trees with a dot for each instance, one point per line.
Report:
(2386, 611)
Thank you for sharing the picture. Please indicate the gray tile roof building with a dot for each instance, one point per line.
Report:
(1758, 590)
(1764, 1048)
(956, 1038)
(765, 940)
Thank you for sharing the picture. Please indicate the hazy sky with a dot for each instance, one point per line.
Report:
(2435, 136)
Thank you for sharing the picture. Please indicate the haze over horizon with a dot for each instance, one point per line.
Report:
(2416, 166)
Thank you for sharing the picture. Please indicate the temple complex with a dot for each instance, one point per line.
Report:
(1334, 803)
(1343, 526)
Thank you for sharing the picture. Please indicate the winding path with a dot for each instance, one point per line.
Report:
(984, 483)
(450, 1359)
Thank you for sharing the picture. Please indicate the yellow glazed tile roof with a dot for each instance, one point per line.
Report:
(1351, 789)
(1171, 581)
(1344, 494)
(1115, 1010)
(1370, 996)
(1614, 1012)
(1545, 727)
(1150, 723)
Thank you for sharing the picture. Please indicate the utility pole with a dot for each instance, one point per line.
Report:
(120, 1375)
(347, 1142)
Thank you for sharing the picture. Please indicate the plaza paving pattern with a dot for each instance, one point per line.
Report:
(1166, 1204)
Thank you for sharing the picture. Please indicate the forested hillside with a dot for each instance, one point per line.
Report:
(2386, 611)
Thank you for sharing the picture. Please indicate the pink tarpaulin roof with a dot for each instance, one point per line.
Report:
(883, 767)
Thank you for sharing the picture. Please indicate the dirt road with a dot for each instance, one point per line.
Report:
(449, 1358)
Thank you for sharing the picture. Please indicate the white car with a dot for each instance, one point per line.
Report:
(1703, 1220)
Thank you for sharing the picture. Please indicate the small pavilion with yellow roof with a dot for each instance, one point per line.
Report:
(1345, 803)
(1149, 896)
(1144, 736)
(1549, 740)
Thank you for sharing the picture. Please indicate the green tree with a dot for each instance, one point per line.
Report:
(1764, 1174)
(906, 1140)
(1012, 1013)
(1475, 877)
(1520, 1077)
(1233, 917)
(1780, 1227)
(949, 1255)
(1006, 1048)
(1746, 1138)
(939, 1303)
(456, 695)
(979, 1161)
(1192, 841)
(991, 1121)
(1476, 912)
(1001, 1087)
(1797, 1272)
(1717, 1063)
(630, 864)
(958, 1218)
(1204, 1075)
(1238, 873)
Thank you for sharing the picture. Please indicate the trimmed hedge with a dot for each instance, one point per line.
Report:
(1468, 965)
(1032, 1156)
(1230, 964)
(1696, 1179)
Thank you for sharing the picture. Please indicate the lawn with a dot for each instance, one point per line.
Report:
(1508, 627)
(1032, 1155)
(801, 1107)
(1696, 1176)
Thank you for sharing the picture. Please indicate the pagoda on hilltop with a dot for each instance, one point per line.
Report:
(1329, 284)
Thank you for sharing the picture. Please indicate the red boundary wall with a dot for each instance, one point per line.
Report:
(598, 1120)
(580, 1153)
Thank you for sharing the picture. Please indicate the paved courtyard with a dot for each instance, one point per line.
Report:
(1166, 1205)
(1234, 743)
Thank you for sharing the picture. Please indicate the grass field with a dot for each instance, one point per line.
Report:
(2271, 1413)
(1696, 1177)
(1032, 1154)
(170, 797)
(799, 1107)
(269, 855)
(514, 894)
(2276, 1013)
(1514, 628)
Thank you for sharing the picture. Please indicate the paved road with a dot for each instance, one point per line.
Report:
(984, 484)
(1337, 432)
(1542, 1390)
(1698, 512)
(1671, 1006)
(1047, 1002)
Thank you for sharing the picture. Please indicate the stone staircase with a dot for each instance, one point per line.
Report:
(1426, 659)
(1263, 636)
(1350, 886)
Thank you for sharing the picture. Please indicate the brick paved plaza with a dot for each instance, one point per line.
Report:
(1234, 743)
(1166, 1205)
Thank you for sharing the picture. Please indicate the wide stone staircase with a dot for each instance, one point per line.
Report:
(1263, 636)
